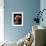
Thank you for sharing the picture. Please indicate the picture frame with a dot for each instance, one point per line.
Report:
(17, 18)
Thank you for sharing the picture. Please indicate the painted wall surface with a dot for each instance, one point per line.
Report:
(43, 6)
(28, 7)
(1, 20)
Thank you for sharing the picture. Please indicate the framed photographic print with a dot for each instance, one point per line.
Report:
(17, 18)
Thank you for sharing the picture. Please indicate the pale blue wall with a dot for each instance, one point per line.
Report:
(43, 6)
(29, 7)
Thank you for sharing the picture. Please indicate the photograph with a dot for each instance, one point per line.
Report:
(17, 18)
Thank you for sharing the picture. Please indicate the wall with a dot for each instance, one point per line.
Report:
(1, 20)
(43, 6)
(28, 7)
